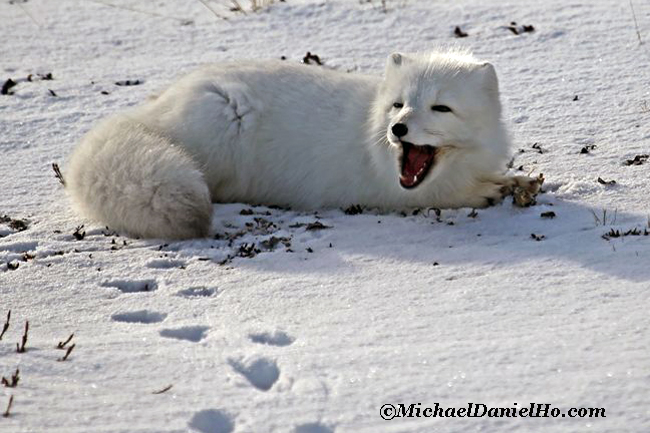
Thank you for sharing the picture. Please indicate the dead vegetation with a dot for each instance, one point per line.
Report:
(164, 390)
(67, 353)
(251, 5)
(20, 347)
(310, 58)
(518, 30)
(604, 218)
(9, 84)
(459, 33)
(7, 411)
(636, 24)
(14, 223)
(6, 87)
(62, 344)
(613, 233)
(637, 160)
(538, 148)
(126, 83)
(79, 233)
(12, 382)
(6, 325)
(58, 174)
(316, 225)
(239, 238)
(247, 250)
(271, 243)
(602, 181)
(261, 226)
(537, 237)
(587, 149)
(355, 209)
(27, 256)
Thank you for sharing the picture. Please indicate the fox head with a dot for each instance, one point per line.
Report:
(430, 107)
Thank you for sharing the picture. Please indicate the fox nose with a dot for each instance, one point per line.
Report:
(400, 130)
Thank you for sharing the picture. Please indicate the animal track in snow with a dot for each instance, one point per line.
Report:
(134, 286)
(313, 427)
(261, 372)
(197, 292)
(19, 247)
(141, 316)
(166, 264)
(189, 333)
(212, 421)
(275, 338)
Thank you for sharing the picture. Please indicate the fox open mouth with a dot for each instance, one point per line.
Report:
(415, 163)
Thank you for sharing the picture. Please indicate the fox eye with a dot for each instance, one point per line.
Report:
(441, 108)
(398, 105)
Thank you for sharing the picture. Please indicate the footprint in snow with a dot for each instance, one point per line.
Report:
(134, 286)
(275, 338)
(140, 316)
(212, 421)
(188, 333)
(197, 292)
(19, 247)
(166, 264)
(313, 427)
(261, 372)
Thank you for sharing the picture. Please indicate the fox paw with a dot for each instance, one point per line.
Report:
(488, 194)
(523, 189)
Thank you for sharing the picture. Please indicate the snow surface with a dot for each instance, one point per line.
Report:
(357, 315)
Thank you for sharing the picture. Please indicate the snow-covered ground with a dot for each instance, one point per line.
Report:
(324, 325)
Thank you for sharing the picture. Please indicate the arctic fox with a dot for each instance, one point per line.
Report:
(429, 134)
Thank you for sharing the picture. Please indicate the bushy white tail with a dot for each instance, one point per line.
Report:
(134, 180)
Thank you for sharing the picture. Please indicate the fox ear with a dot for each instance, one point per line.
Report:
(395, 59)
(489, 76)
(394, 62)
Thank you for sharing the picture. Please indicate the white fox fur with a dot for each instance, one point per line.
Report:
(276, 133)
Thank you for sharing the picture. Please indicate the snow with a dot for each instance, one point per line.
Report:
(318, 341)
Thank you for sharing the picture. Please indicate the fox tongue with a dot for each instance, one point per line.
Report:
(416, 160)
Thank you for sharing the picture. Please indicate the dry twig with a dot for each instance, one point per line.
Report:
(13, 381)
(62, 344)
(6, 325)
(67, 353)
(6, 413)
(165, 389)
(20, 348)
